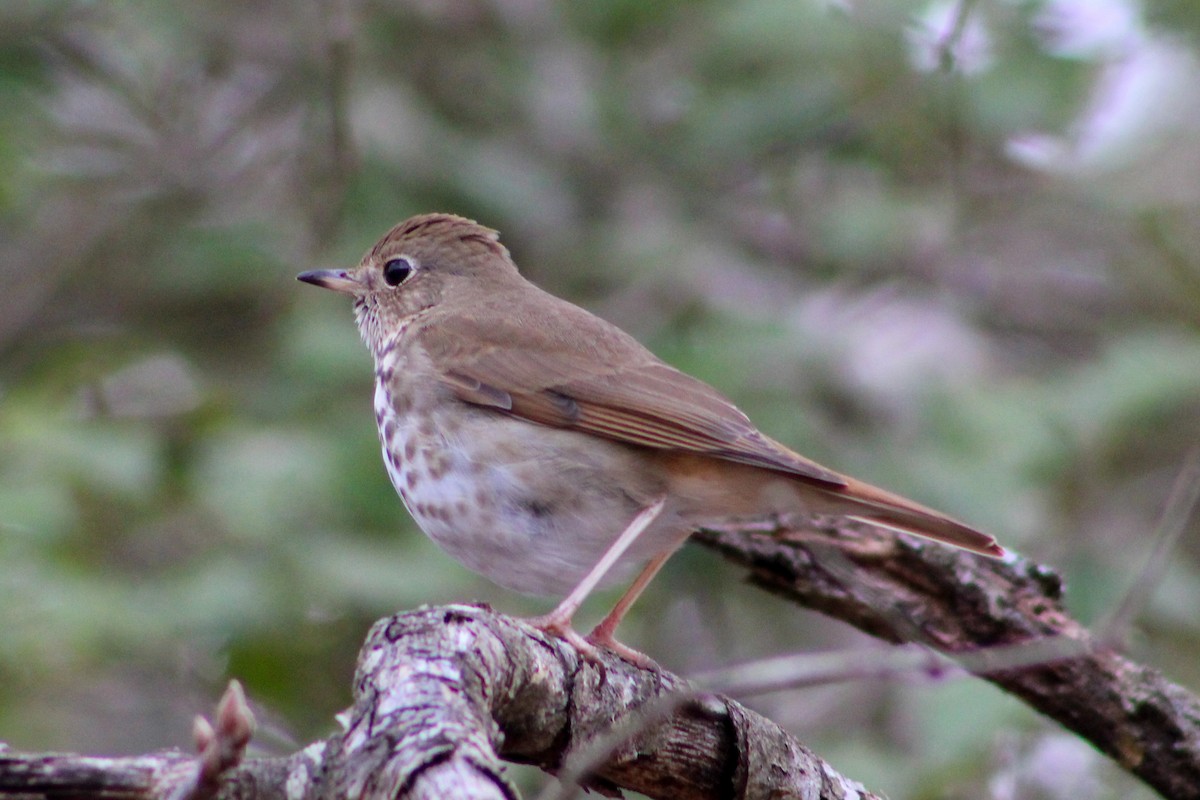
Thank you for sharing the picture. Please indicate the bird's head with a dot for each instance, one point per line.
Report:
(414, 267)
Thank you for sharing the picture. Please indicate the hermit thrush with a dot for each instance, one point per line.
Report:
(541, 446)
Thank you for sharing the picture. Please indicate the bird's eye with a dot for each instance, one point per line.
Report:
(396, 271)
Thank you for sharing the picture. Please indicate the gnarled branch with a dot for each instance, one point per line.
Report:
(443, 694)
(1002, 619)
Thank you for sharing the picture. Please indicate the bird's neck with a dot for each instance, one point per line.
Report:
(382, 333)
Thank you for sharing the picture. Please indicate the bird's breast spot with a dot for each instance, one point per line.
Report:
(536, 508)
(383, 403)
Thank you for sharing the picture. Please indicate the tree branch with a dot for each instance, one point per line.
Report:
(1002, 619)
(443, 694)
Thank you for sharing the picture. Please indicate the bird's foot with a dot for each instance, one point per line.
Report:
(559, 626)
(593, 646)
(602, 638)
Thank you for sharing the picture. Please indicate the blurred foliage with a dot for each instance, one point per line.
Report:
(949, 248)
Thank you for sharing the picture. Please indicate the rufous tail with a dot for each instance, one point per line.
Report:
(875, 506)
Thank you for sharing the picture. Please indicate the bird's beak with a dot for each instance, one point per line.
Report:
(339, 280)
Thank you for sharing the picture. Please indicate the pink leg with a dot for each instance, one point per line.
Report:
(558, 621)
(602, 634)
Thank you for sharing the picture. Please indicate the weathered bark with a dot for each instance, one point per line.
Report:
(443, 694)
(460, 685)
(1002, 619)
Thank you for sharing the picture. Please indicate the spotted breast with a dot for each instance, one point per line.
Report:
(522, 507)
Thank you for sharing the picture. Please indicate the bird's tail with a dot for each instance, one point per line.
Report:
(875, 506)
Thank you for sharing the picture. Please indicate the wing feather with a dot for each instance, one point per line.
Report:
(598, 380)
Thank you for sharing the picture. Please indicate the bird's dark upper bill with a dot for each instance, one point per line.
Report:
(337, 279)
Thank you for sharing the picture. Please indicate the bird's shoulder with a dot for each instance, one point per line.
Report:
(526, 322)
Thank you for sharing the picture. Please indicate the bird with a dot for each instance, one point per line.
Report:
(547, 449)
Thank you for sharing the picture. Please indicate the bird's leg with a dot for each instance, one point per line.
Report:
(602, 634)
(558, 621)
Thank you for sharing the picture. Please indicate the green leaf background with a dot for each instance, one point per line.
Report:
(768, 193)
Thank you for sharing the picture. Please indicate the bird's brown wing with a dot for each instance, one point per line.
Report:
(573, 370)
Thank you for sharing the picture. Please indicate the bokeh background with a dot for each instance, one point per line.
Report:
(951, 248)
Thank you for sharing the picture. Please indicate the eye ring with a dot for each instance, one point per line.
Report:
(396, 271)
